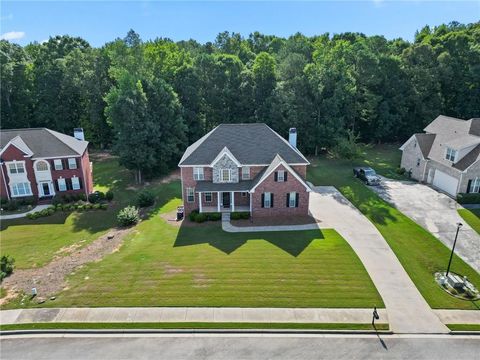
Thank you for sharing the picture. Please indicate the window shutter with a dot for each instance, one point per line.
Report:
(276, 176)
(285, 176)
(65, 164)
(469, 185)
(271, 200)
(76, 164)
(80, 183)
(56, 186)
(69, 184)
(288, 199)
(296, 199)
(263, 200)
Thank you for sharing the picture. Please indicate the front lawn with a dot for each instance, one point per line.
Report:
(420, 253)
(472, 217)
(163, 265)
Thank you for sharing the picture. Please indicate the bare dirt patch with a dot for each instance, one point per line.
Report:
(50, 279)
(279, 220)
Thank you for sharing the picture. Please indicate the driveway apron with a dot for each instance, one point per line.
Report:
(408, 312)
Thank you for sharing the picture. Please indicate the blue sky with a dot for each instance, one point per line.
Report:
(102, 21)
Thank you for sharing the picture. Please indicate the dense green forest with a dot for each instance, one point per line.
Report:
(148, 99)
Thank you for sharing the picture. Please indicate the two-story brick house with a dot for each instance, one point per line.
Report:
(41, 163)
(245, 167)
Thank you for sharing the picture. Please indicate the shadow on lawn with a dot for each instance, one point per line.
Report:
(292, 242)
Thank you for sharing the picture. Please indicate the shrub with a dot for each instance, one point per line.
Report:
(52, 207)
(88, 206)
(193, 215)
(30, 200)
(200, 218)
(80, 207)
(145, 198)
(57, 200)
(346, 147)
(240, 215)
(6, 266)
(3, 201)
(128, 216)
(82, 197)
(469, 198)
(96, 206)
(103, 206)
(12, 206)
(96, 197)
(215, 216)
(109, 195)
(401, 171)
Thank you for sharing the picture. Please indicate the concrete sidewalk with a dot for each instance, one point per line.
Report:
(191, 314)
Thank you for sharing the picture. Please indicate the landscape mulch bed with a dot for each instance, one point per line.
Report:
(278, 220)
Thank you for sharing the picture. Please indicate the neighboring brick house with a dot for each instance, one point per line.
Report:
(245, 167)
(447, 155)
(42, 162)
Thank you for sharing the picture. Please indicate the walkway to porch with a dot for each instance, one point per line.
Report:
(207, 209)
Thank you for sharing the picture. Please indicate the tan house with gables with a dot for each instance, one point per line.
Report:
(447, 155)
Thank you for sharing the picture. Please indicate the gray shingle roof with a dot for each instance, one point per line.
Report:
(468, 159)
(425, 142)
(45, 143)
(251, 144)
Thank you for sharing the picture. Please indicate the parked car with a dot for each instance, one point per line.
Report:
(366, 174)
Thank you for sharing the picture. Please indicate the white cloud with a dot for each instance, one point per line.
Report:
(12, 35)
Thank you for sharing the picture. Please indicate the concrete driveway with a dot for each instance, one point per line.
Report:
(435, 212)
(407, 310)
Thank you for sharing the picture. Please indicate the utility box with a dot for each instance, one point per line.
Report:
(180, 213)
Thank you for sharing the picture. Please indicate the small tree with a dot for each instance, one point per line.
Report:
(145, 198)
(128, 216)
(346, 147)
(6, 266)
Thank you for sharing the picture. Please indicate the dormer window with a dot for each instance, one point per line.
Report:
(226, 175)
(451, 154)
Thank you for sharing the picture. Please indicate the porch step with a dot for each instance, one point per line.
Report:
(226, 217)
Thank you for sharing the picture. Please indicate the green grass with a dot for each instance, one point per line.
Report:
(464, 327)
(472, 217)
(162, 265)
(193, 325)
(420, 253)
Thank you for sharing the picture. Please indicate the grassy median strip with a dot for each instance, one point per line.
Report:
(420, 253)
(193, 325)
(464, 327)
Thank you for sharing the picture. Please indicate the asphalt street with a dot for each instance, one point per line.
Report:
(245, 346)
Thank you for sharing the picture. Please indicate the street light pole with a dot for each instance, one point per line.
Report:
(459, 225)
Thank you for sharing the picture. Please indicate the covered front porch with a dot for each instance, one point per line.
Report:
(224, 201)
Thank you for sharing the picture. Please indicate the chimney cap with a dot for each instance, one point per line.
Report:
(293, 130)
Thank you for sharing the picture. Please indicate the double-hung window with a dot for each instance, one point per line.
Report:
(292, 199)
(475, 188)
(280, 176)
(16, 168)
(190, 195)
(75, 183)
(451, 154)
(72, 163)
(226, 175)
(208, 197)
(245, 173)
(58, 164)
(62, 185)
(21, 189)
(198, 174)
(267, 200)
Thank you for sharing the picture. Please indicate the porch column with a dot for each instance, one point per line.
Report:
(218, 201)
(199, 201)
(250, 204)
(232, 195)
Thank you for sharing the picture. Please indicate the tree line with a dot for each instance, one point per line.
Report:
(147, 100)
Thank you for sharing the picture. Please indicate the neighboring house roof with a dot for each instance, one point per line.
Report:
(43, 143)
(250, 144)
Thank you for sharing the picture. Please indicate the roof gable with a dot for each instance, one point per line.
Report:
(250, 144)
(19, 144)
(225, 152)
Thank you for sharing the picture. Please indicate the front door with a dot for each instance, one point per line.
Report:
(46, 189)
(226, 200)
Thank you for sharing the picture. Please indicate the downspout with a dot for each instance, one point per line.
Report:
(460, 182)
(5, 181)
(84, 176)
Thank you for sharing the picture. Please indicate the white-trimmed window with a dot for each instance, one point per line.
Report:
(208, 197)
(475, 187)
(281, 176)
(21, 189)
(42, 166)
(75, 183)
(225, 175)
(267, 200)
(292, 199)
(246, 173)
(58, 164)
(451, 154)
(17, 167)
(62, 185)
(190, 195)
(72, 163)
(198, 173)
